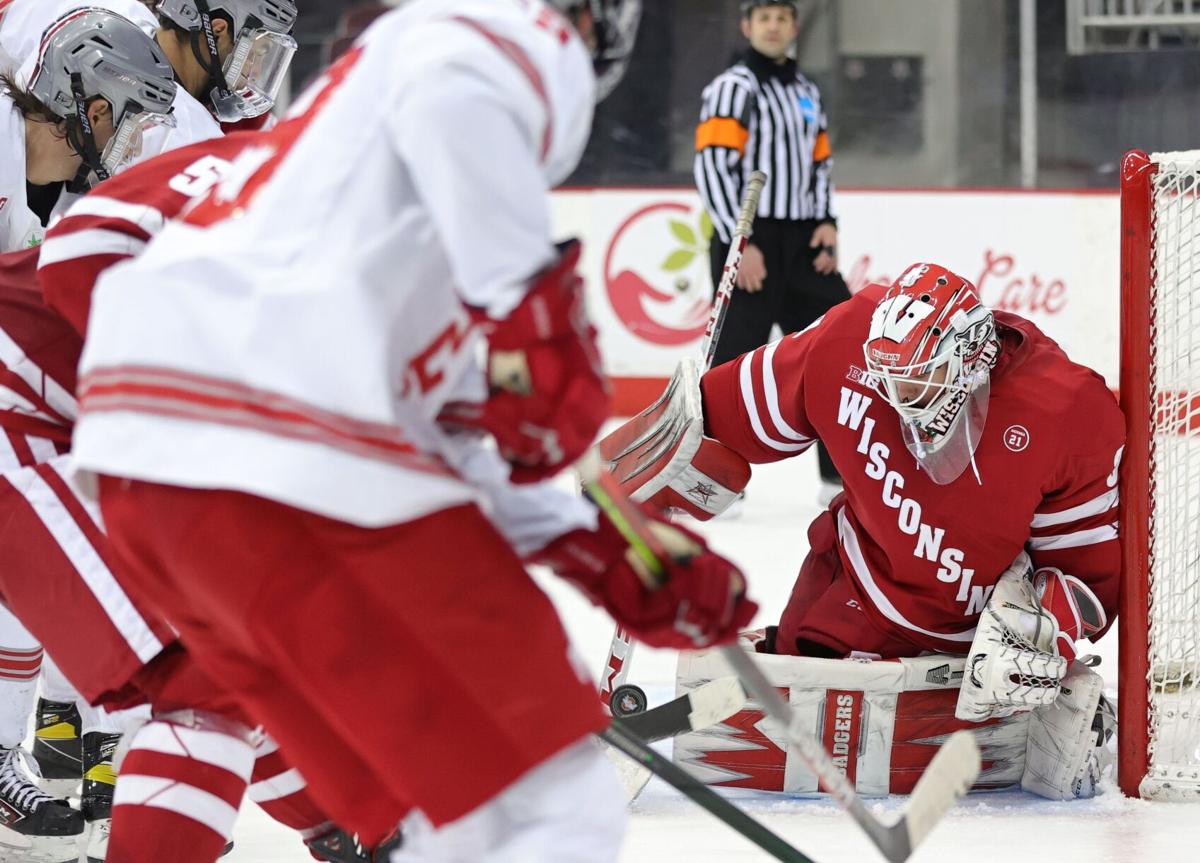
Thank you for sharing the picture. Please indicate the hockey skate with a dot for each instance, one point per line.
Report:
(58, 748)
(338, 846)
(99, 780)
(34, 827)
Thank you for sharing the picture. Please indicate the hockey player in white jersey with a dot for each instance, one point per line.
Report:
(272, 394)
(230, 56)
(23, 25)
(77, 111)
(253, 51)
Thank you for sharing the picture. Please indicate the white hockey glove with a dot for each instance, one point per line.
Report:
(662, 457)
(1068, 751)
(1014, 663)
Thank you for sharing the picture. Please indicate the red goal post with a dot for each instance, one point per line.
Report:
(1159, 628)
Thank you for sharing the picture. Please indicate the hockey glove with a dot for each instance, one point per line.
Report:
(701, 602)
(548, 393)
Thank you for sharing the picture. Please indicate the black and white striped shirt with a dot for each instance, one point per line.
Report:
(760, 115)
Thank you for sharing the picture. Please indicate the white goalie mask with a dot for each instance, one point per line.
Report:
(930, 351)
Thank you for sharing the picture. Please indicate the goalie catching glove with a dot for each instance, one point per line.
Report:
(548, 394)
(1025, 641)
(701, 601)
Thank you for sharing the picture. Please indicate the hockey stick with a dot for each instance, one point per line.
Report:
(620, 651)
(733, 263)
(626, 742)
(700, 708)
(953, 770)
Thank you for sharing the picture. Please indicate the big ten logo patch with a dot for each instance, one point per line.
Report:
(656, 273)
(1016, 438)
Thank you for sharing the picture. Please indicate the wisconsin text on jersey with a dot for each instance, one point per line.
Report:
(852, 414)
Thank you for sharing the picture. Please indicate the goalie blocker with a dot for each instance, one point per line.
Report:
(882, 722)
(662, 457)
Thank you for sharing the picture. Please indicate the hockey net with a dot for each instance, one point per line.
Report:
(1160, 476)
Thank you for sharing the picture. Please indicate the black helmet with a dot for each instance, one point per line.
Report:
(616, 30)
(749, 6)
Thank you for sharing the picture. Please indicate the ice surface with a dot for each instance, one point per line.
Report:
(769, 541)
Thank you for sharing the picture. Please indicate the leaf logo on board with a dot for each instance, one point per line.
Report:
(656, 273)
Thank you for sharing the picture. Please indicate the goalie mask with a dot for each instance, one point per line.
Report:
(89, 54)
(246, 84)
(616, 24)
(930, 352)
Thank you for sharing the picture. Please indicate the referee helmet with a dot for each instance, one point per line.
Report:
(749, 6)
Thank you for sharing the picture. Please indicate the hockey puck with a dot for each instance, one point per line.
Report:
(627, 700)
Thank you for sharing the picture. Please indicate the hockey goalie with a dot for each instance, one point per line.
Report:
(975, 542)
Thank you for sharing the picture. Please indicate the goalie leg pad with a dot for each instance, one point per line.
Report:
(880, 721)
(1068, 752)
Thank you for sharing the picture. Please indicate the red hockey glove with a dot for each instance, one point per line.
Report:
(702, 601)
(549, 395)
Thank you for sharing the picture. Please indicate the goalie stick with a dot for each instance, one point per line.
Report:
(616, 668)
(952, 771)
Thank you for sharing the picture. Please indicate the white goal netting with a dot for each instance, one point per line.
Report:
(1174, 495)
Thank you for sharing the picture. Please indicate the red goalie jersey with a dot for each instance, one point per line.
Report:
(919, 559)
(43, 329)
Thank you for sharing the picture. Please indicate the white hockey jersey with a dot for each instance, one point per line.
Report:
(297, 334)
(19, 227)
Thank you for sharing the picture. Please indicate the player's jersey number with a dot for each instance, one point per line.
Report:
(255, 165)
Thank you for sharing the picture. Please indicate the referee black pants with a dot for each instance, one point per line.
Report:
(793, 296)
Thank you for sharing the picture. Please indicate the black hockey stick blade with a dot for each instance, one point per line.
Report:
(705, 705)
(695, 790)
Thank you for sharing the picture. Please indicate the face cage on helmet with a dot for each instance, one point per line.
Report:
(616, 34)
(955, 388)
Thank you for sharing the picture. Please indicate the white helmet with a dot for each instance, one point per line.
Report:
(616, 23)
(92, 53)
(248, 81)
(930, 352)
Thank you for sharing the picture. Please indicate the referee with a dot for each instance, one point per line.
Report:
(763, 114)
